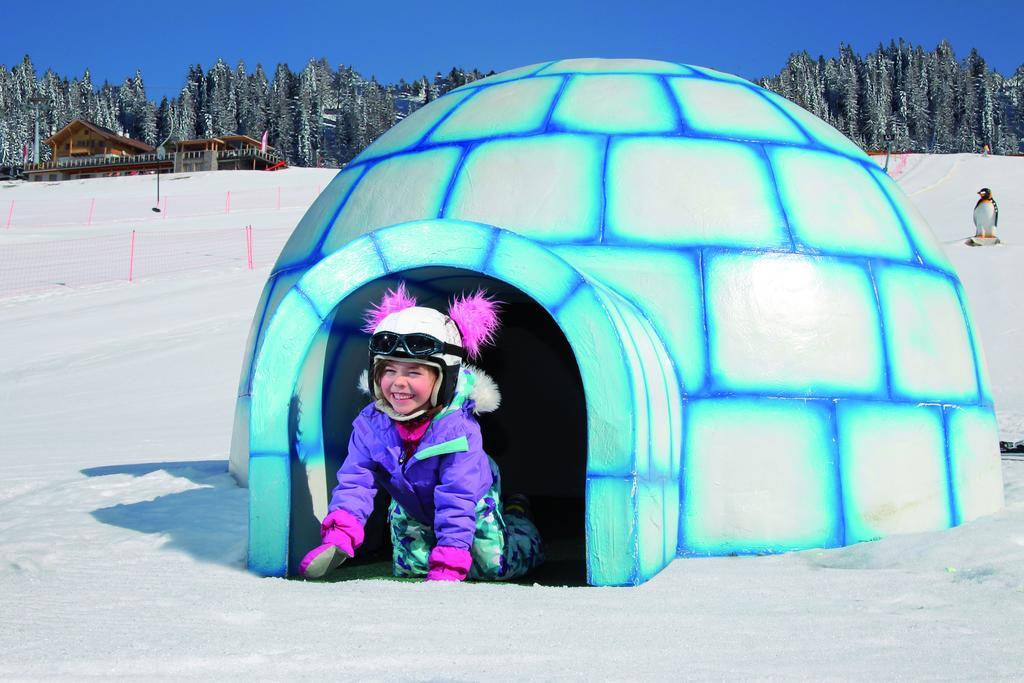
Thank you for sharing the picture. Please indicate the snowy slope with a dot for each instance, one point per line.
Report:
(122, 537)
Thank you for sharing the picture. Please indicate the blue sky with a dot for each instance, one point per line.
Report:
(405, 39)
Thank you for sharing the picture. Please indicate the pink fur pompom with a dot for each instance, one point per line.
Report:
(477, 318)
(394, 300)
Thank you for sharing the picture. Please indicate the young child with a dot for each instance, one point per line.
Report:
(420, 441)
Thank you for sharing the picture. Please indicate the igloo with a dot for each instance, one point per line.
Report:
(726, 330)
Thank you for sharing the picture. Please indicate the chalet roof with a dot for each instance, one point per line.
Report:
(103, 132)
(222, 139)
(198, 140)
(239, 136)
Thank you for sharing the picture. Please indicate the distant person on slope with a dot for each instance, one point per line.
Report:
(420, 440)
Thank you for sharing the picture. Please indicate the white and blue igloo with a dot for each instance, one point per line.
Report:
(726, 330)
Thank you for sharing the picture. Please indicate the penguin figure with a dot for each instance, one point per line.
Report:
(986, 214)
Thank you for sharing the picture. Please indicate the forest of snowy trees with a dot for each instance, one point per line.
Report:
(920, 101)
(917, 100)
(317, 116)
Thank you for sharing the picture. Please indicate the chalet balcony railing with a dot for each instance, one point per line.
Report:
(248, 153)
(101, 160)
(96, 161)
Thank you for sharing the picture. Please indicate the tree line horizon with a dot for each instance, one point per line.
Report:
(899, 96)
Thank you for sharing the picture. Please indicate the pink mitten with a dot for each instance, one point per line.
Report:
(449, 564)
(341, 534)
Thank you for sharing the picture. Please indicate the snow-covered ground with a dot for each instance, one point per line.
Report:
(122, 537)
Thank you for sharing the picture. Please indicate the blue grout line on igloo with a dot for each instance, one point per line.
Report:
(954, 512)
(759, 92)
(833, 417)
(580, 284)
(682, 127)
(443, 209)
(694, 74)
(709, 379)
(780, 206)
(299, 291)
(807, 251)
(319, 244)
(422, 141)
(883, 336)
(546, 123)
(565, 130)
(550, 128)
(897, 213)
(487, 262)
(603, 192)
(480, 85)
(267, 454)
(958, 290)
(773, 394)
(707, 392)
(681, 547)
(375, 243)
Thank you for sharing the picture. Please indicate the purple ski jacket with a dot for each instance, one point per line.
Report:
(439, 485)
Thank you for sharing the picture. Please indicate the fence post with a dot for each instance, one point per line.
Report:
(92, 205)
(131, 259)
(227, 203)
(10, 214)
(248, 243)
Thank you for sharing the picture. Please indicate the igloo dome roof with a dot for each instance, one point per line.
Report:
(623, 152)
(720, 260)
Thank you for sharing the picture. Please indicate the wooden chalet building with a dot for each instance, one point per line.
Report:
(82, 149)
(223, 153)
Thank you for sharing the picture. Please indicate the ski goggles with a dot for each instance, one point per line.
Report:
(415, 344)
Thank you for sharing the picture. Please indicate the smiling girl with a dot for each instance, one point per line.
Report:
(420, 441)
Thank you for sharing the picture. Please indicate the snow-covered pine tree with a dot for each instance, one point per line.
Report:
(307, 117)
(944, 89)
(850, 91)
(183, 116)
(918, 109)
(282, 113)
(54, 111)
(195, 83)
(221, 107)
(164, 125)
(877, 109)
(347, 126)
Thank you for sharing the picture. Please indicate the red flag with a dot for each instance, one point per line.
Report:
(263, 143)
(24, 154)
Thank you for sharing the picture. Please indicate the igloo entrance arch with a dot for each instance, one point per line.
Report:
(538, 437)
(631, 392)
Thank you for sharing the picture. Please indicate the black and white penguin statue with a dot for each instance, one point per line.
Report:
(986, 214)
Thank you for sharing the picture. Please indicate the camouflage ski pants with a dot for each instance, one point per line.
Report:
(505, 546)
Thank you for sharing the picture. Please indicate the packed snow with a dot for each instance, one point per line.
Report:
(122, 536)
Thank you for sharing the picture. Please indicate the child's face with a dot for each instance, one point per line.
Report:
(407, 386)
